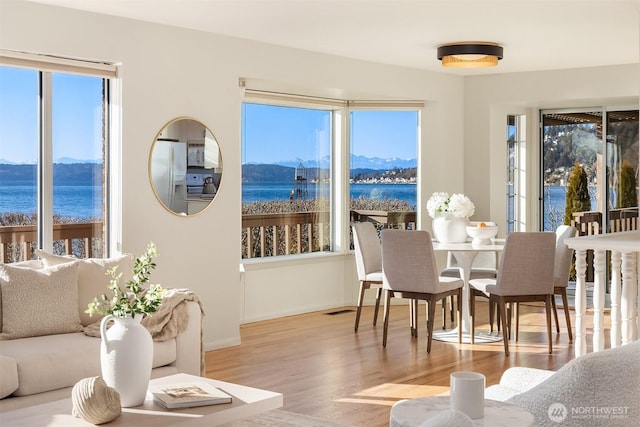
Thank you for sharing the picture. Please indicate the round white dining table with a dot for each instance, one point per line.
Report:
(465, 253)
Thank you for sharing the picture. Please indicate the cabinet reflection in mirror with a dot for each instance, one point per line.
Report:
(185, 166)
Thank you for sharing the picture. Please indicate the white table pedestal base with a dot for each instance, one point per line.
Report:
(451, 335)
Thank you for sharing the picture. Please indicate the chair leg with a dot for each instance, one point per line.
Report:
(375, 313)
(472, 314)
(453, 316)
(555, 313)
(517, 320)
(492, 316)
(387, 303)
(431, 306)
(452, 310)
(505, 329)
(548, 309)
(359, 308)
(460, 317)
(565, 303)
(444, 313)
(414, 318)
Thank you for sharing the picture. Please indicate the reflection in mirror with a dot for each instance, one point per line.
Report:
(185, 166)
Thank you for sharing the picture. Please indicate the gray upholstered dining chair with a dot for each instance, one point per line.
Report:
(409, 270)
(368, 253)
(562, 267)
(525, 274)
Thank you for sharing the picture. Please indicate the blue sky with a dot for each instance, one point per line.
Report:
(77, 116)
(280, 133)
(273, 133)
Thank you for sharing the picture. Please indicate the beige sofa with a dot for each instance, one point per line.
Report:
(44, 350)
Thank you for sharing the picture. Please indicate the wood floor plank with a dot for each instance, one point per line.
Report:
(326, 370)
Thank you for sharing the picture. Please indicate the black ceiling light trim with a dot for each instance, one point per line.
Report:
(470, 54)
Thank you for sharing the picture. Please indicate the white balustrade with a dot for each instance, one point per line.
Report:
(625, 299)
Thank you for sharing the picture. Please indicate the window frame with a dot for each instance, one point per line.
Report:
(516, 171)
(46, 66)
(340, 153)
(602, 189)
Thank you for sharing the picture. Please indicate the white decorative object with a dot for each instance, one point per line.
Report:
(94, 401)
(450, 229)
(467, 393)
(416, 412)
(126, 354)
(450, 216)
(482, 235)
(457, 205)
(448, 418)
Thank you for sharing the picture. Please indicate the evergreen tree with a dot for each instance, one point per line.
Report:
(578, 198)
(627, 196)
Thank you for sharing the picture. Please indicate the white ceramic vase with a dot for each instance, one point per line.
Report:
(450, 229)
(126, 354)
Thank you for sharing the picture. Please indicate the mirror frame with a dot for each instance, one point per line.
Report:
(182, 135)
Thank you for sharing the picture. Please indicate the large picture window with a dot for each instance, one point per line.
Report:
(286, 180)
(305, 180)
(53, 160)
(383, 166)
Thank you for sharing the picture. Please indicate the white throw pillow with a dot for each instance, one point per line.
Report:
(39, 302)
(92, 277)
(35, 264)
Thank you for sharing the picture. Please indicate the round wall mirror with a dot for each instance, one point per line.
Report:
(185, 166)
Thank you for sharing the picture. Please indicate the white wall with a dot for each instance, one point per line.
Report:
(488, 100)
(169, 72)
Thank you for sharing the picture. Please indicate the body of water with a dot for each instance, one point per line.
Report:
(260, 192)
(74, 201)
(79, 201)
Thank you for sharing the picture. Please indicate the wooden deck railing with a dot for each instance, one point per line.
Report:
(382, 219)
(266, 235)
(284, 233)
(624, 219)
(590, 224)
(18, 242)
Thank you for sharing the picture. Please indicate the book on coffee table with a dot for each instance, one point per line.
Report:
(173, 396)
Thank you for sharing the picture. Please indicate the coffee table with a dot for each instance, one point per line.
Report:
(247, 401)
(414, 412)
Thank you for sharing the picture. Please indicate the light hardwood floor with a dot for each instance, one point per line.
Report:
(326, 370)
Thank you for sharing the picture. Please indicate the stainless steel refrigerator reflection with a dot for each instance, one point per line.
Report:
(168, 172)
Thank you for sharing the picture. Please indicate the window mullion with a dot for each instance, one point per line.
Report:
(340, 180)
(45, 164)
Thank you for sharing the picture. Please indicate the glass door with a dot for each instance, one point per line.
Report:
(601, 146)
(622, 170)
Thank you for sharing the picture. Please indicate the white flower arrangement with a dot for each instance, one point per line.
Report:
(458, 205)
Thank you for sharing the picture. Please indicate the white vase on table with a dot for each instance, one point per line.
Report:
(450, 229)
(126, 355)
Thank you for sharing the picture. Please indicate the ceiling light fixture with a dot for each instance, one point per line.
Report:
(469, 54)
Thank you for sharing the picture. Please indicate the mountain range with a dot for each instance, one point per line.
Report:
(357, 162)
(70, 170)
(63, 174)
(61, 160)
